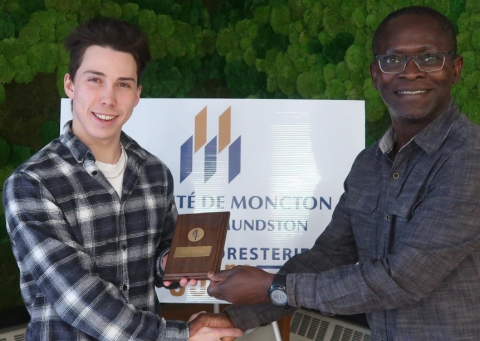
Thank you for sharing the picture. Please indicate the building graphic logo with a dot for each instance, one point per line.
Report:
(212, 149)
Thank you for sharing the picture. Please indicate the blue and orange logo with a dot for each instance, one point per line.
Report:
(212, 148)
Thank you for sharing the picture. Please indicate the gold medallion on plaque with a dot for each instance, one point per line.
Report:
(196, 234)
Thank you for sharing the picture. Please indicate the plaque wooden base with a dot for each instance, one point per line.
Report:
(197, 245)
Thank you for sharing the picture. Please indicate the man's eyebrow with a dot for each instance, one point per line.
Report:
(93, 72)
(126, 79)
(101, 74)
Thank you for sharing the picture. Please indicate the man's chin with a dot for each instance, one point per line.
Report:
(411, 116)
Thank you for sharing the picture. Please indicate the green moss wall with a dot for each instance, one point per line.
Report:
(312, 49)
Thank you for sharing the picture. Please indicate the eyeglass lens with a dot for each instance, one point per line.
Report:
(427, 62)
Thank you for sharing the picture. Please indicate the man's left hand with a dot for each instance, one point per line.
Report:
(183, 282)
(240, 285)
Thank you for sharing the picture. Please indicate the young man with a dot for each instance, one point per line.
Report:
(91, 215)
(403, 245)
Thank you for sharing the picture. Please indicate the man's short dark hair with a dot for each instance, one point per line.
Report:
(445, 24)
(110, 33)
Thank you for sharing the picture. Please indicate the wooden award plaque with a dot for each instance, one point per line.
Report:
(197, 245)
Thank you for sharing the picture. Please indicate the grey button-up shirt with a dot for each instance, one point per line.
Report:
(404, 241)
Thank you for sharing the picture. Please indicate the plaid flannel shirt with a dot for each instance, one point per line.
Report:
(88, 259)
(403, 245)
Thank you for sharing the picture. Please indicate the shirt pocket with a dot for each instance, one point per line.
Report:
(403, 209)
(362, 201)
(404, 206)
(363, 210)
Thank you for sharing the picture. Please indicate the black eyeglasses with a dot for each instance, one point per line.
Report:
(426, 61)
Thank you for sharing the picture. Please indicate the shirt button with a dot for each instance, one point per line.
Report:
(124, 288)
(94, 173)
(387, 217)
(395, 176)
(124, 247)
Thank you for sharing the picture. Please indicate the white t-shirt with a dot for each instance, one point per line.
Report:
(114, 173)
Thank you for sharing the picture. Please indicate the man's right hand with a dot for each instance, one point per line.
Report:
(210, 327)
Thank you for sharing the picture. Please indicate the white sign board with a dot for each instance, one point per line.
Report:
(277, 165)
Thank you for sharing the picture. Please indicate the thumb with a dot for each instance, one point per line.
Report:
(230, 333)
(221, 275)
(230, 338)
(194, 316)
(216, 276)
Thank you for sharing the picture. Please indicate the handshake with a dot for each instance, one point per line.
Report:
(205, 326)
(240, 285)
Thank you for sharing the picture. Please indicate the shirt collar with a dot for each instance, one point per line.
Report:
(81, 152)
(429, 138)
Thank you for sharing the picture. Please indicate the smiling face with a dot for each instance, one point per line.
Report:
(413, 95)
(104, 94)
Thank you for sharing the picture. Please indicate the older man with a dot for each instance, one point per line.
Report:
(403, 245)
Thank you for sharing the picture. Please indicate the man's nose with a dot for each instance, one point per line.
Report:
(411, 69)
(108, 97)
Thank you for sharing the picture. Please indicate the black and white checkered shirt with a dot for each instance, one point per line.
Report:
(88, 259)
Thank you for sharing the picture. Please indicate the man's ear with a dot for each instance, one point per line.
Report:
(374, 73)
(68, 86)
(457, 69)
(139, 92)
